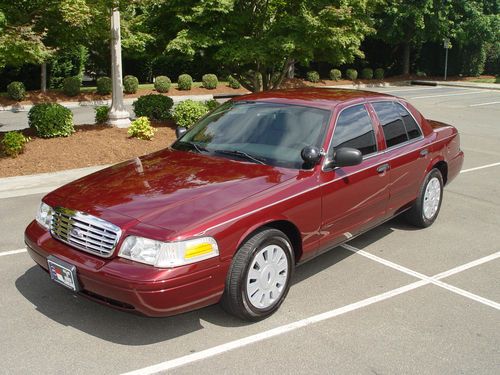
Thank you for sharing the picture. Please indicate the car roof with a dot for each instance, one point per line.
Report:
(313, 96)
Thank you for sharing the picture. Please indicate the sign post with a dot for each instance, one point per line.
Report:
(447, 46)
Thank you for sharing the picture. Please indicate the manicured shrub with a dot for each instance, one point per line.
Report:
(233, 82)
(16, 90)
(367, 73)
(212, 104)
(335, 74)
(379, 73)
(101, 114)
(162, 84)
(421, 74)
(209, 81)
(13, 143)
(184, 82)
(51, 120)
(130, 84)
(312, 76)
(186, 113)
(352, 74)
(141, 128)
(153, 106)
(71, 85)
(104, 85)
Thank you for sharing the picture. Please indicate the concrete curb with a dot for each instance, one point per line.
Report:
(93, 103)
(17, 186)
(472, 85)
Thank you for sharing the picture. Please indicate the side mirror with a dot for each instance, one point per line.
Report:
(347, 156)
(180, 131)
(310, 155)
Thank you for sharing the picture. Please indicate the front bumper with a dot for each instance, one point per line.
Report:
(133, 286)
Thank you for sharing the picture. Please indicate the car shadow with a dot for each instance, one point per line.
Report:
(65, 308)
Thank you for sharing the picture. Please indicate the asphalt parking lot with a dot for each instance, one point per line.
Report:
(395, 300)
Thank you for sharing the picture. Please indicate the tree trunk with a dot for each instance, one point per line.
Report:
(406, 58)
(291, 70)
(43, 77)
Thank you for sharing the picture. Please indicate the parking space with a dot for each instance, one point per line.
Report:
(394, 300)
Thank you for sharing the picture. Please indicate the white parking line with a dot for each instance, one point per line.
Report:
(442, 95)
(433, 280)
(481, 104)
(12, 252)
(481, 167)
(245, 341)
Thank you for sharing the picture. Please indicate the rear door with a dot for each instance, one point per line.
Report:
(406, 153)
(353, 198)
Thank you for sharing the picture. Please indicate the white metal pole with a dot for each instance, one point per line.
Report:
(118, 115)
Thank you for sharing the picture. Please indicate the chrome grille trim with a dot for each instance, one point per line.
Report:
(84, 232)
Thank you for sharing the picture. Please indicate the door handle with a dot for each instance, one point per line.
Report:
(382, 168)
(424, 152)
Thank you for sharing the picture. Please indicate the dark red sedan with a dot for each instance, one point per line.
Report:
(263, 183)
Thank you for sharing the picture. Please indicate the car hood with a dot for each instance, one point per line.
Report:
(168, 189)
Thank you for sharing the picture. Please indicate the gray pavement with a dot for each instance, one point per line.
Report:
(350, 312)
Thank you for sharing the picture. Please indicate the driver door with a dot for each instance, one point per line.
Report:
(354, 198)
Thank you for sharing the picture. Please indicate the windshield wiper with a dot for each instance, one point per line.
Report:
(241, 154)
(196, 146)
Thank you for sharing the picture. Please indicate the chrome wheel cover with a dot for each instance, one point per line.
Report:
(432, 198)
(267, 276)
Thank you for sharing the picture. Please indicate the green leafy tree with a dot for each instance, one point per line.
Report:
(258, 41)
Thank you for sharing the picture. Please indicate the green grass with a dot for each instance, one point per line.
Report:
(487, 80)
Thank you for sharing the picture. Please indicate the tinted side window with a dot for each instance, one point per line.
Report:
(392, 124)
(354, 129)
(411, 126)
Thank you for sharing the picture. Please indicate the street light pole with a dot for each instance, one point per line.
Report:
(118, 115)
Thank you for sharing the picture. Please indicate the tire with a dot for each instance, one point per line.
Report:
(426, 208)
(259, 277)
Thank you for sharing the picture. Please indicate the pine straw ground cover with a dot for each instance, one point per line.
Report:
(90, 145)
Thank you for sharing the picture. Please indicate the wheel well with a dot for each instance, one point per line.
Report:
(292, 233)
(442, 166)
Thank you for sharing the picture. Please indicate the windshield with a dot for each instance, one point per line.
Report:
(266, 133)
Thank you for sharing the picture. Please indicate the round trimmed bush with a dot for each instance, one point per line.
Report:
(379, 73)
(233, 82)
(51, 120)
(312, 76)
(101, 114)
(104, 85)
(186, 113)
(16, 90)
(162, 84)
(209, 81)
(71, 85)
(184, 82)
(352, 74)
(367, 73)
(130, 84)
(335, 74)
(13, 143)
(153, 106)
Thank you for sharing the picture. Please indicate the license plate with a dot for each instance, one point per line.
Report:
(63, 273)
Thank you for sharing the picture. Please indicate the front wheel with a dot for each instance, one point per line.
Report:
(259, 277)
(426, 208)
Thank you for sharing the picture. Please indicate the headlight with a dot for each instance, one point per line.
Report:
(168, 254)
(44, 215)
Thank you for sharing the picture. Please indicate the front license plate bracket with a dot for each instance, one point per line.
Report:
(63, 273)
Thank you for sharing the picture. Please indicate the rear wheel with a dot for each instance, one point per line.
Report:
(426, 208)
(259, 277)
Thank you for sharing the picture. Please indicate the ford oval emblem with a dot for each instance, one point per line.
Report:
(76, 232)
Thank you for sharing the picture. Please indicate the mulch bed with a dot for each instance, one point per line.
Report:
(90, 145)
(33, 97)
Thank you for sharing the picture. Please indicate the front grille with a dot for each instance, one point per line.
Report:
(84, 232)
